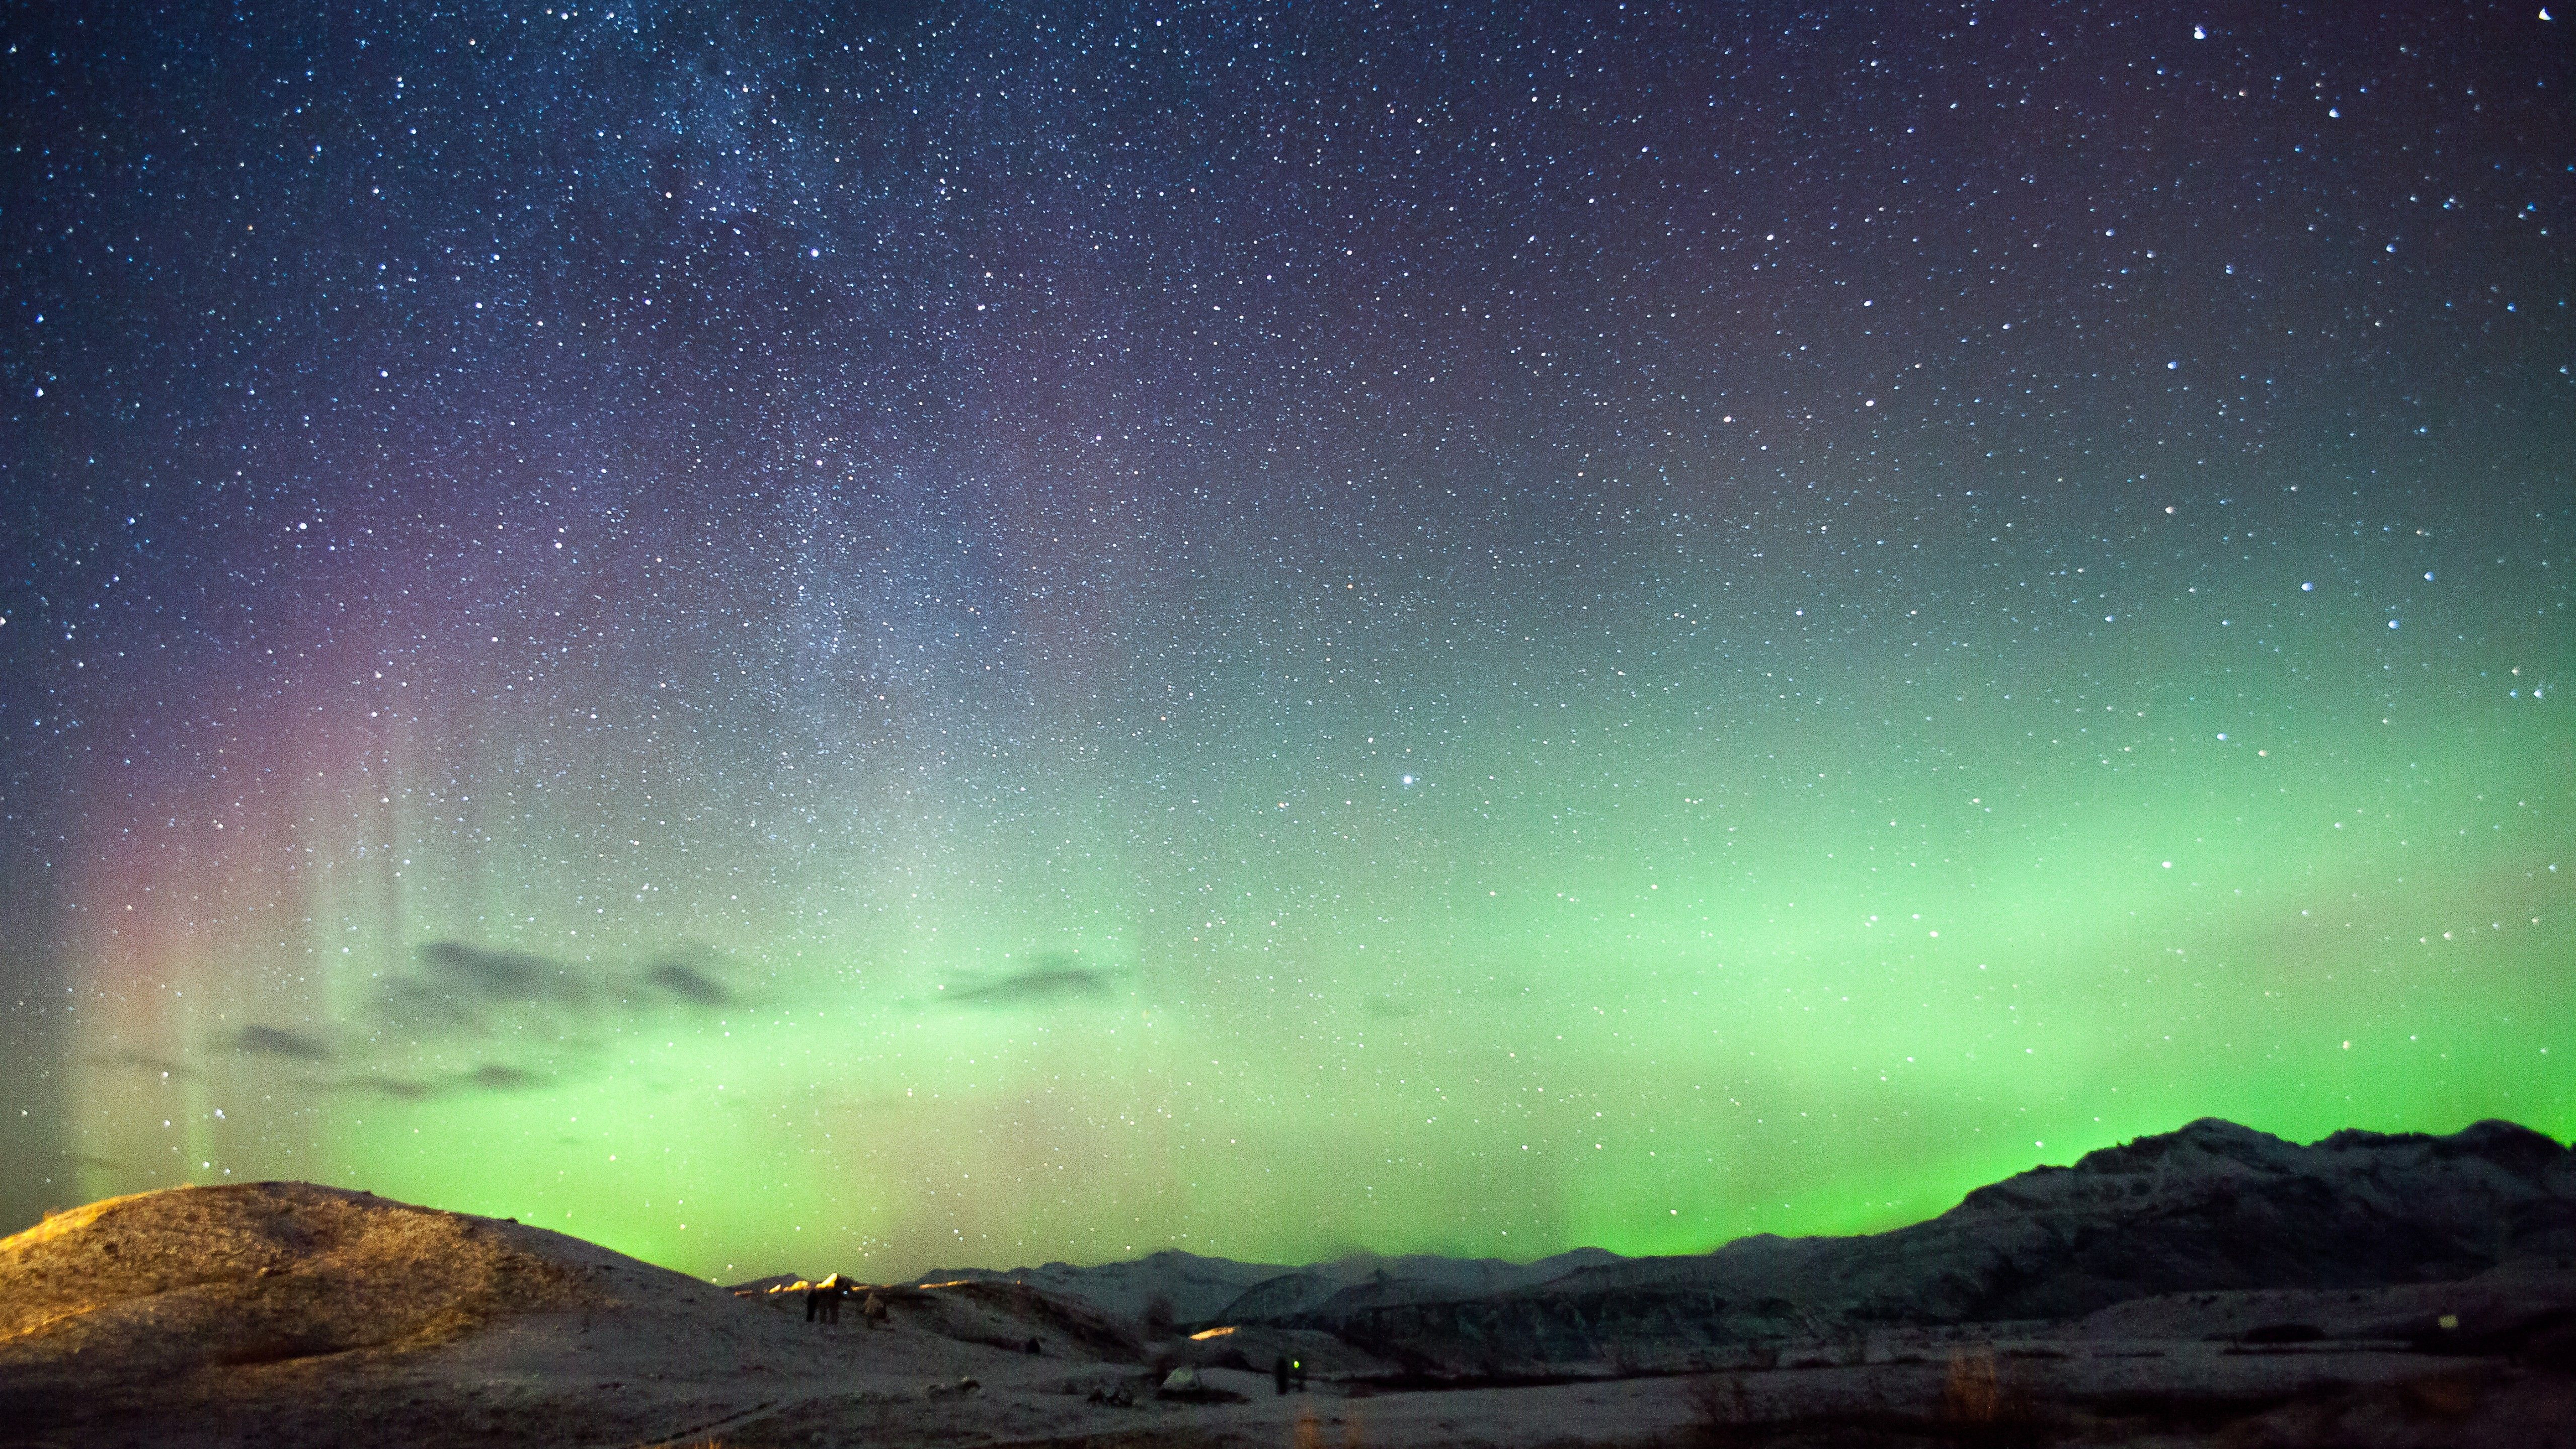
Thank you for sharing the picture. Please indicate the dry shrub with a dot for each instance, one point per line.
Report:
(1979, 1409)
(1308, 1432)
(1972, 1392)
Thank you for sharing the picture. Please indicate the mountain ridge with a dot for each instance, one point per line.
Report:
(2211, 1206)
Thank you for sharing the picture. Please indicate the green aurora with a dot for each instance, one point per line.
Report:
(935, 640)
(1645, 943)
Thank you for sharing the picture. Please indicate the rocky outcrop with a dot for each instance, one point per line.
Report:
(158, 1286)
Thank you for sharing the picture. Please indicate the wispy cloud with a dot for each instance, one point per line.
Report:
(277, 1041)
(1052, 981)
(474, 1019)
(491, 1077)
(501, 975)
(400, 1088)
(494, 1077)
(465, 990)
(691, 977)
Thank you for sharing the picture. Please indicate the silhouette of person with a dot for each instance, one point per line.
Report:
(835, 1288)
(813, 1302)
(1279, 1372)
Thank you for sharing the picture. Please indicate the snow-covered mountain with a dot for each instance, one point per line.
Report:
(2212, 1207)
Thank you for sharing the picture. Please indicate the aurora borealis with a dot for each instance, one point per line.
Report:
(954, 634)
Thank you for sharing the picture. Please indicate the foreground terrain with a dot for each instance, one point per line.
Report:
(2210, 1286)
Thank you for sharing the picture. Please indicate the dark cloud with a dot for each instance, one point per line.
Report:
(546, 1020)
(469, 988)
(277, 1041)
(500, 976)
(493, 1077)
(689, 984)
(489, 1077)
(1053, 980)
(690, 974)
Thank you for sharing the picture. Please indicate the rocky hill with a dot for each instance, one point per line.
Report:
(290, 1314)
(2213, 1207)
(162, 1284)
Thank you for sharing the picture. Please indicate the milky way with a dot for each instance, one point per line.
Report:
(956, 635)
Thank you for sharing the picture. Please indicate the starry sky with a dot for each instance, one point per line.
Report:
(932, 633)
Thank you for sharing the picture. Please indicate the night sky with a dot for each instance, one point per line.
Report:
(955, 634)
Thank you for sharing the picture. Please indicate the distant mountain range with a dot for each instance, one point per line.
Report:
(1221, 1290)
(2212, 1207)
